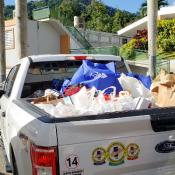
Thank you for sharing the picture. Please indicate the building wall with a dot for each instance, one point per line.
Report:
(101, 39)
(48, 39)
(11, 58)
(42, 39)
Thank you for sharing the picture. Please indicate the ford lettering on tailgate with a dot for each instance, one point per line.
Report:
(165, 147)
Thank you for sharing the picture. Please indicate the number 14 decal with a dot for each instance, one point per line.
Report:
(72, 162)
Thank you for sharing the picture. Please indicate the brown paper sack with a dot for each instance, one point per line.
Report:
(166, 96)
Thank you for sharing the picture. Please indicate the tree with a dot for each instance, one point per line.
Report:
(97, 17)
(143, 9)
(21, 28)
(67, 9)
(8, 11)
(121, 19)
(118, 21)
(2, 43)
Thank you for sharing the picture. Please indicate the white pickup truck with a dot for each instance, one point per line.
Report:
(138, 142)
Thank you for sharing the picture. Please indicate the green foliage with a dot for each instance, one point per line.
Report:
(97, 17)
(68, 9)
(127, 51)
(121, 19)
(167, 45)
(166, 35)
(118, 21)
(8, 12)
(141, 39)
(143, 8)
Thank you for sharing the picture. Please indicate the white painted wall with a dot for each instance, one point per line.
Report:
(48, 39)
(32, 44)
(11, 58)
(42, 39)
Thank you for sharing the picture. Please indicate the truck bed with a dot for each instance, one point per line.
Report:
(162, 119)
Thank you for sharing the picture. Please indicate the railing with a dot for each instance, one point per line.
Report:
(162, 64)
(111, 50)
(79, 37)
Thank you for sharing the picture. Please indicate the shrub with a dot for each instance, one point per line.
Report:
(141, 34)
(142, 44)
(166, 35)
(127, 51)
(166, 45)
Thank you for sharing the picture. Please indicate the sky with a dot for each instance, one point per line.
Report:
(128, 5)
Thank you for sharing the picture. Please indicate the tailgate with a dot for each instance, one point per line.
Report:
(126, 145)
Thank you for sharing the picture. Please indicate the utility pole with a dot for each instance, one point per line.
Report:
(2, 43)
(21, 27)
(152, 34)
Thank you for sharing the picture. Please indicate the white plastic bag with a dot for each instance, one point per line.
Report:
(125, 101)
(51, 92)
(62, 110)
(83, 99)
(107, 105)
(134, 86)
(143, 103)
(46, 107)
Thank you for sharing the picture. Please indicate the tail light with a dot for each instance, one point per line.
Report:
(80, 57)
(44, 160)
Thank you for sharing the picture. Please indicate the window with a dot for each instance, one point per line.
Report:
(9, 39)
(124, 40)
(10, 80)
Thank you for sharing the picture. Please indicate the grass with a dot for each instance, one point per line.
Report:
(160, 55)
(166, 55)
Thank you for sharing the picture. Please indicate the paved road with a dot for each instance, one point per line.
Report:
(2, 164)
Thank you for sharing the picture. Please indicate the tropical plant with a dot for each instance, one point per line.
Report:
(68, 9)
(8, 11)
(121, 19)
(127, 51)
(141, 39)
(166, 35)
(97, 17)
(143, 8)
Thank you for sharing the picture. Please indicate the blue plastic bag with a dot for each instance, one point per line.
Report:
(65, 85)
(146, 80)
(96, 75)
(57, 84)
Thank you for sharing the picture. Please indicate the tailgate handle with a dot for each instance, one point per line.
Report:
(163, 122)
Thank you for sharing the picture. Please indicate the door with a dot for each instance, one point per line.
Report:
(64, 44)
(5, 103)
